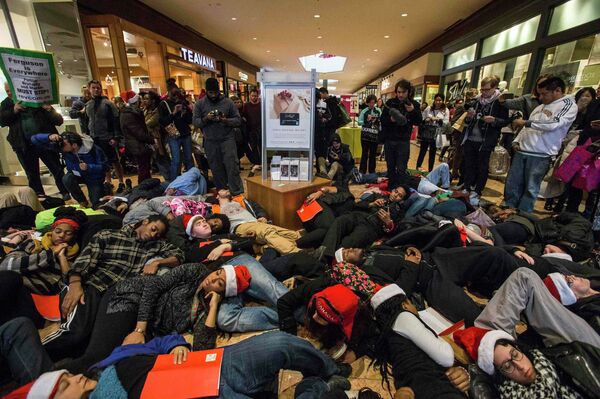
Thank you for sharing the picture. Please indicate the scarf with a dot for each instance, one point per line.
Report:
(46, 244)
(547, 383)
(354, 278)
(109, 386)
(486, 101)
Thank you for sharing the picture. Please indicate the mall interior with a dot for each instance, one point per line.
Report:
(300, 199)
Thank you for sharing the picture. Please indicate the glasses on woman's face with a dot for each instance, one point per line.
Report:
(509, 366)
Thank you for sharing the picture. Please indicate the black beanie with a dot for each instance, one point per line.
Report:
(212, 84)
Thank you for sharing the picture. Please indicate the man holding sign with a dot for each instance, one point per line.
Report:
(31, 88)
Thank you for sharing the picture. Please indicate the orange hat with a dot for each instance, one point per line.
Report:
(237, 279)
(338, 305)
(480, 344)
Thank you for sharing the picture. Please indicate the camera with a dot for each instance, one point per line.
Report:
(216, 114)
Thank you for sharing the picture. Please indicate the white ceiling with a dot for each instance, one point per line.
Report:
(287, 29)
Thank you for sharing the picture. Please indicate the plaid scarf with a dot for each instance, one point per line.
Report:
(547, 383)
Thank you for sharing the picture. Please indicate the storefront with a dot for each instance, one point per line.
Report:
(240, 82)
(555, 37)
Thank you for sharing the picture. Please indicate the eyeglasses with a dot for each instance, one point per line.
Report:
(488, 89)
(509, 366)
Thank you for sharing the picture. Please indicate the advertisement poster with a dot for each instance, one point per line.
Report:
(288, 117)
(350, 102)
(31, 76)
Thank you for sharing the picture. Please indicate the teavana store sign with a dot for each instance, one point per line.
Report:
(200, 59)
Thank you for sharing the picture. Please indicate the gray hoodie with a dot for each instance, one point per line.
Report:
(216, 131)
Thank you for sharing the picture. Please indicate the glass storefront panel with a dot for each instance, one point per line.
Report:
(512, 37)
(461, 57)
(573, 13)
(137, 60)
(512, 73)
(103, 49)
(577, 62)
(457, 85)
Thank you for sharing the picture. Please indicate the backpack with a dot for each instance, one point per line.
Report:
(341, 117)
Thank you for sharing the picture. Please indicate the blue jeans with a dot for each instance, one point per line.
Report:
(21, 349)
(524, 180)
(438, 177)
(251, 366)
(95, 189)
(175, 145)
(234, 317)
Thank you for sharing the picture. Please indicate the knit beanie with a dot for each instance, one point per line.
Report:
(480, 344)
(43, 388)
(212, 84)
(237, 279)
(559, 288)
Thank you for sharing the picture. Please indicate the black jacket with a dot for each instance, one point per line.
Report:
(490, 131)
(182, 120)
(592, 114)
(589, 310)
(345, 157)
(45, 120)
(400, 130)
(138, 140)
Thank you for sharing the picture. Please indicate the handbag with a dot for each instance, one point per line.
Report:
(427, 132)
(441, 139)
(460, 122)
(171, 129)
(575, 161)
(499, 161)
(588, 177)
(197, 142)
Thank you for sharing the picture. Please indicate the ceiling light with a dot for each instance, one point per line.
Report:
(277, 60)
(105, 43)
(317, 16)
(254, 38)
(386, 37)
(405, 15)
(323, 62)
(319, 37)
(375, 50)
(233, 18)
(368, 59)
(268, 51)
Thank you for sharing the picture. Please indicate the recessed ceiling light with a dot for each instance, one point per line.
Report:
(277, 60)
(268, 51)
(386, 37)
(375, 50)
(317, 16)
(233, 18)
(405, 15)
(368, 59)
(254, 38)
(319, 37)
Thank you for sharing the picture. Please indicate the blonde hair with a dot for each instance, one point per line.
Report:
(493, 81)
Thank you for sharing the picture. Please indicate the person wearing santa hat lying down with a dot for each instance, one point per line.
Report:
(247, 368)
(493, 348)
(184, 300)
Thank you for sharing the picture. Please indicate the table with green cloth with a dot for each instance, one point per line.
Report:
(351, 136)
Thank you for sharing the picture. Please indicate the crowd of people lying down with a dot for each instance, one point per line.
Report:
(156, 271)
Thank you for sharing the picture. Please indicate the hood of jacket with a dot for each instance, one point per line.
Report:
(87, 145)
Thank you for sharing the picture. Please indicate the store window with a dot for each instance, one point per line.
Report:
(457, 85)
(103, 49)
(137, 60)
(512, 73)
(577, 62)
(61, 36)
(573, 13)
(512, 37)
(461, 57)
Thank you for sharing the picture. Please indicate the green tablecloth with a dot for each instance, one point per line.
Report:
(351, 136)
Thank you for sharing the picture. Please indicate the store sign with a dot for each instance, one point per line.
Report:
(199, 59)
(243, 76)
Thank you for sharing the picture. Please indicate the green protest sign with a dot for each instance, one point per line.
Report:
(31, 76)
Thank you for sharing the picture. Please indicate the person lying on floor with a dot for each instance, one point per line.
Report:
(334, 201)
(14, 214)
(214, 251)
(140, 308)
(247, 369)
(110, 257)
(244, 223)
(527, 374)
(191, 182)
(142, 208)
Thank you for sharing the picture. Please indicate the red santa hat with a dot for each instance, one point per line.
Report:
(188, 222)
(129, 97)
(237, 279)
(383, 294)
(559, 288)
(338, 305)
(480, 344)
(43, 388)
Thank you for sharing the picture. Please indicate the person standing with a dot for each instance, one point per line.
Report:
(253, 115)
(485, 118)
(216, 115)
(77, 110)
(369, 120)
(435, 119)
(399, 116)
(327, 119)
(151, 101)
(138, 141)
(538, 142)
(105, 129)
(175, 112)
(240, 132)
(24, 122)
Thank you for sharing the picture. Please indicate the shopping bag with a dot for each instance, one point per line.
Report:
(441, 140)
(499, 161)
(588, 177)
(575, 161)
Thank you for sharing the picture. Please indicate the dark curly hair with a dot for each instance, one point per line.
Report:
(224, 221)
(68, 212)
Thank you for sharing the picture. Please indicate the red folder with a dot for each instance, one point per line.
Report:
(198, 377)
(48, 306)
(309, 211)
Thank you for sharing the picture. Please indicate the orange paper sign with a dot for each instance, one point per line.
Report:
(198, 377)
(309, 211)
(48, 306)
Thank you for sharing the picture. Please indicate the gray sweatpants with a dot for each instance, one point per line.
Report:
(525, 292)
(223, 161)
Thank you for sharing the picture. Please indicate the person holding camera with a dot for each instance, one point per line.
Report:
(175, 116)
(217, 116)
(24, 122)
(86, 164)
(435, 119)
(399, 116)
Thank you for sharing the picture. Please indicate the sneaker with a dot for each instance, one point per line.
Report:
(474, 199)
(356, 176)
(66, 197)
(120, 188)
(339, 382)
